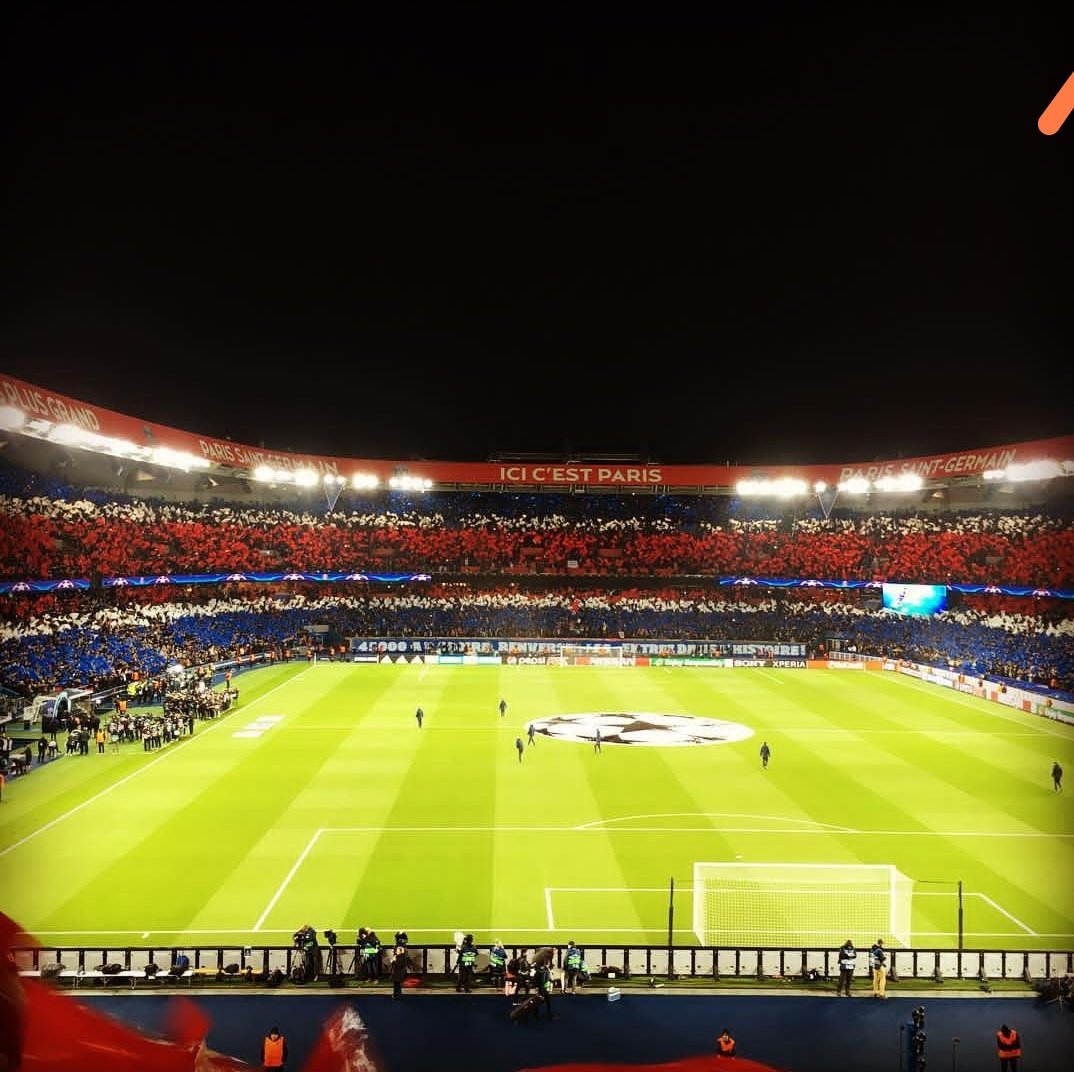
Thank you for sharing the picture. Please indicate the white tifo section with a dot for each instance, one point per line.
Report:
(800, 904)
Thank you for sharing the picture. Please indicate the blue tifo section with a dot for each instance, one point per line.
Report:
(472, 1033)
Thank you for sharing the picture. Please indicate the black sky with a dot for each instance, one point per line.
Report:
(806, 232)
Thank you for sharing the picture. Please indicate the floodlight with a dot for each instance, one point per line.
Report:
(11, 418)
(855, 485)
(304, 478)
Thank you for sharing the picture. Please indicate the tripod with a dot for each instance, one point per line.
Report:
(333, 965)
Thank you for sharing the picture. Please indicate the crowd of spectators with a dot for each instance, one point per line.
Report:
(103, 646)
(645, 559)
(462, 533)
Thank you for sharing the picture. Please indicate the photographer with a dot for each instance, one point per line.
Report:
(307, 965)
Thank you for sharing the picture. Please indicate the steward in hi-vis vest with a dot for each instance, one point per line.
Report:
(275, 1050)
(1008, 1048)
(725, 1044)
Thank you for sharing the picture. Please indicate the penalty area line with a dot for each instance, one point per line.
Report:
(290, 875)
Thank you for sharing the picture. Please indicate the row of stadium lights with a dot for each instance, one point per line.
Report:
(13, 419)
(789, 487)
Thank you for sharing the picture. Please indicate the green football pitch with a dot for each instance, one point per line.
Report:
(319, 799)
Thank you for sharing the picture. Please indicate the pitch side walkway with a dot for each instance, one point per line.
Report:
(446, 1032)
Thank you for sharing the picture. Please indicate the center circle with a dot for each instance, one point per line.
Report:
(636, 727)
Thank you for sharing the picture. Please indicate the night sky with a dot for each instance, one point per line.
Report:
(775, 232)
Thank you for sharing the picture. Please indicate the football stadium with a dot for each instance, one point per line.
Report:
(274, 721)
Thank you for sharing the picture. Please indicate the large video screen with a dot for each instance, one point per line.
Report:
(921, 599)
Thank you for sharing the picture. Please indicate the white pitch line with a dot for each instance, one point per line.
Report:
(714, 815)
(590, 828)
(771, 677)
(1013, 919)
(548, 907)
(965, 700)
(189, 935)
(141, 770)
(283, 885)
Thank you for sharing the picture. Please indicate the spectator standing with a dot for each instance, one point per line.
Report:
(1008, 1048)
(848, 955)
(765, 753)
(274, 1050)
(878, 961)
(725, 1044)
(1057, 777)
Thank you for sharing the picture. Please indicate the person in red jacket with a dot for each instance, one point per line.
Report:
(1008, 1048)
(725, 1044)
(274, 1051)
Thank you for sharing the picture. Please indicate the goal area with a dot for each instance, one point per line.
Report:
(738, 904)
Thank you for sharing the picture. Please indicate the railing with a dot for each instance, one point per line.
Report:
(606, 961)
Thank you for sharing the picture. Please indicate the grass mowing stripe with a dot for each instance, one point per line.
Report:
(134, 774)
(344, 813)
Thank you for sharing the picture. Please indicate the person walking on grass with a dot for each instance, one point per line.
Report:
(596, 740)
(520, 746)
(419, 715)
(531, 733)
(765, 753)
(503, 708)
(1057, 777)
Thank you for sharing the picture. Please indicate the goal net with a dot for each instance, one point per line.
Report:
(592, 654)
(800, 904)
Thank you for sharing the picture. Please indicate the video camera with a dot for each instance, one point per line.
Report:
(330, 937)
(304, 938)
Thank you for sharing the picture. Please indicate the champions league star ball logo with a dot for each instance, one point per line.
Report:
(659, 731)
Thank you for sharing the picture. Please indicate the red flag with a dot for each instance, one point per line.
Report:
(344, 1045)
(49, 1031)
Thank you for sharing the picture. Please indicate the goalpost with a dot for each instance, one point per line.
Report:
(591, 654)
(800, 904)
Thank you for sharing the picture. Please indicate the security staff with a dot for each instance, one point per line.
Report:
(847, 957)
(466, 963)
(274, 1051)
(725, 1044)
(572, 967)
(1008, 1048)
(497, 963)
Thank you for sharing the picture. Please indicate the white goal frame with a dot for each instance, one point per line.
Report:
(799, 884)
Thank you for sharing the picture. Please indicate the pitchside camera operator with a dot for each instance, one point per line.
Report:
(307, 964)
